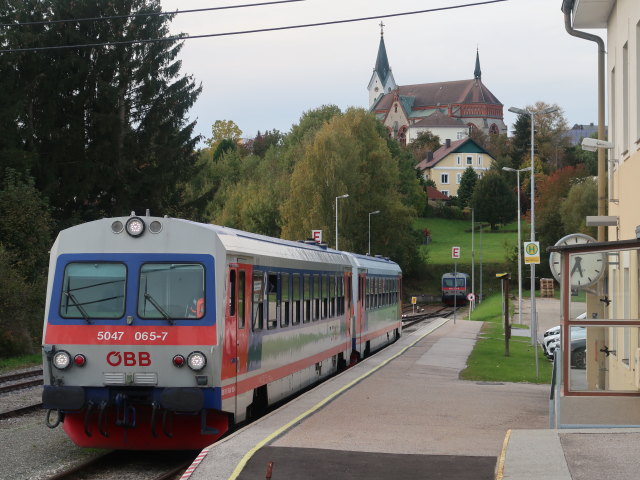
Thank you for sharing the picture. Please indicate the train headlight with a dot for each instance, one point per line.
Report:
(80, 360)
(196, 361)
(135, 226)
(61, 360)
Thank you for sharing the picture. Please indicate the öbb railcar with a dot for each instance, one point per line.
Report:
(455, 288)
(159, 333)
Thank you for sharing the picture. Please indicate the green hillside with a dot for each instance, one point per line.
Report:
(493, 246)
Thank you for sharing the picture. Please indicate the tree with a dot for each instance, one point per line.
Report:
(467, 185)
(348, 155)
(425, 142)
(269, 139)
(582, 200)
(221, 130)
(102, 130)
(493, 200)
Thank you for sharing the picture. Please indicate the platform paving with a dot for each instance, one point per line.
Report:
(412, 417)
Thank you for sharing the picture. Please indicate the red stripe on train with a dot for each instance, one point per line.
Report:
(130, 335)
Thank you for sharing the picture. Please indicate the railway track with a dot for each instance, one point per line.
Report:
(120, 464)
(18, 381)
(439, 311)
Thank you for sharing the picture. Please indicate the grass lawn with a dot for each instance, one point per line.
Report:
(446, 233)
(487, 362)
(13, 363)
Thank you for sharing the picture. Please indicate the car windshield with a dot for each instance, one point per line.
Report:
(171, 291)
(93, 290)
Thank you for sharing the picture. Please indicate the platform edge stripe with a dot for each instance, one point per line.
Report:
(194, 465)
(503, 456)
(245, 459)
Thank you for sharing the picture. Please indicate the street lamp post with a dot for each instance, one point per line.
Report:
(371, 213)
(337, 198)
(507, 169)
(534, 319)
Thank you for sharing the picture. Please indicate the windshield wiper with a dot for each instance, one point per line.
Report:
(78, 305)
(163, 312)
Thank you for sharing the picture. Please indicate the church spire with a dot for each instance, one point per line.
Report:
(382, 62)
(477, 73)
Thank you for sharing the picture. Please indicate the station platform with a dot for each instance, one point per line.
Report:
(403, 413)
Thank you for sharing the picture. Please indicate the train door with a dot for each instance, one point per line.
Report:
(237, 320)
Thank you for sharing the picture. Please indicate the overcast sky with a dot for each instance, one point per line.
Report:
(265, 81)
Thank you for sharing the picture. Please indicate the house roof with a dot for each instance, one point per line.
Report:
(429, 95)
(439, 119)
(434, 194)
(443, 151)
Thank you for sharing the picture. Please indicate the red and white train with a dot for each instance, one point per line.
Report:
(160, 333)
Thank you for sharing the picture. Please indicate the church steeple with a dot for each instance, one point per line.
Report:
(382, 81)
(477, 73)
(382, 62)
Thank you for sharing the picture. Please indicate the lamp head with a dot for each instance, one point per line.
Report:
(592, 144)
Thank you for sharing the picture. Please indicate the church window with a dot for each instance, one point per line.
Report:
(444, 178)
(493, 129)
(376, 89)
(395, 108)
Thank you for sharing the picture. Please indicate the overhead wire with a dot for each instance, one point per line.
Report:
(245, 32)
(146, 14)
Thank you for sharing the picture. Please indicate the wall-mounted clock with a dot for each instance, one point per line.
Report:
(585, 269)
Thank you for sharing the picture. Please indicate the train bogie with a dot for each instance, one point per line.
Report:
(159, 333)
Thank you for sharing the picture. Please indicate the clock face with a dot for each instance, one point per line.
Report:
(585, 269)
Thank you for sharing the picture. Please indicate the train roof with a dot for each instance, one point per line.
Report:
(186, 236)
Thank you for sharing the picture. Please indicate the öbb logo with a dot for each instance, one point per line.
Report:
(129, 359)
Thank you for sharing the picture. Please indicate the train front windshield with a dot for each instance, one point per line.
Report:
(98, 290)
(171, 291)
(449, 282)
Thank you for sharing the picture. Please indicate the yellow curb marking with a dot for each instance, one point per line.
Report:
(502, 457)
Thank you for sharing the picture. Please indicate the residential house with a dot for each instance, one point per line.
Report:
(446, 165)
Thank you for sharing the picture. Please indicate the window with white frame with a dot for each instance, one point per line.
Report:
(469, 160)
(479, 160)
(458, 178)
(458, 160)
(460, 135)
(444, 178)
(445, 192)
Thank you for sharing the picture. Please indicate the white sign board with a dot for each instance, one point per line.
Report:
(532, 252)
(316, 235)
(455, 252)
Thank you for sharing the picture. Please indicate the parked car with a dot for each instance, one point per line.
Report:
(578, 346)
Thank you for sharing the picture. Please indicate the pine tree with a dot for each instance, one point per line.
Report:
(467, 185)
(103, 129)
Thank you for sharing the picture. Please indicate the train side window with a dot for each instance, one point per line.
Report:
(285, 298)
(325, 296)
(241, 285)
(306, 293)
(258, 300)
(232, 292)
(297, 302)
(272, 299)
(332, 292)
(316, 297)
